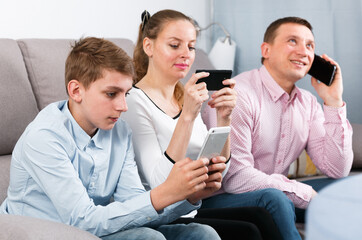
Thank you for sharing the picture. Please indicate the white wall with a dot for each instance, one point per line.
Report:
(79, 18)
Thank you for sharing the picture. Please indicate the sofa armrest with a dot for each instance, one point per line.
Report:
(29, 228)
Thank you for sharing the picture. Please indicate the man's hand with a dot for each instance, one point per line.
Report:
(331, 95)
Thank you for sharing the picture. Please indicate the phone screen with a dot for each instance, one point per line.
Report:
(322, 70)
(214, 80)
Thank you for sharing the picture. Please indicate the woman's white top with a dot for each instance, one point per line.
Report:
(152, 132)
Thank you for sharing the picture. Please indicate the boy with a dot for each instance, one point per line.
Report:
(75, 156)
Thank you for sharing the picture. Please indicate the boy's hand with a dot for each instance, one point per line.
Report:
(213, 183)
(186, 178)
(217, 164)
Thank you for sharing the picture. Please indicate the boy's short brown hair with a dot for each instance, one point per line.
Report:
(90, 56)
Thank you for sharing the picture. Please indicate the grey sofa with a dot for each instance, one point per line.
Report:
(31, 77)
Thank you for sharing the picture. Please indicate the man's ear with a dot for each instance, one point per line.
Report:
(75, 88)
(148, 46)
(265, 49)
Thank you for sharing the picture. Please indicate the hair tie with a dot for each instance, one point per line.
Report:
(145, 17)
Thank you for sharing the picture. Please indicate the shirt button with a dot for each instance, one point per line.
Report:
(305, 196)
(280, 161)
(92, 185)
(149, 219)
(283, 135)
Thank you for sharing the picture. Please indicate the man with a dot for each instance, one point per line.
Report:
(274, 120)
(77, 155)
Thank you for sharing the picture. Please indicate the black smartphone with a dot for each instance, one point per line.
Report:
(214, 80)
(322, 70)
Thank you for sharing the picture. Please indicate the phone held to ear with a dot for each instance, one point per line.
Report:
(214, 142)
(322, 70)
(214, 80)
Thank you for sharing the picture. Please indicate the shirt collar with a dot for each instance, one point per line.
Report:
(81, 138)
(296, 93)
(275, 91)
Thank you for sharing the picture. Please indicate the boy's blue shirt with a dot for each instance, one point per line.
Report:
(58, 172)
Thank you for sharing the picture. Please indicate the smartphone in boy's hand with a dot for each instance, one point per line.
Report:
(214, 142)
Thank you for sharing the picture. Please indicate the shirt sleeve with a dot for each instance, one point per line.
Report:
(330, 140)
(242, 175)
(52, 170)
(154, 166)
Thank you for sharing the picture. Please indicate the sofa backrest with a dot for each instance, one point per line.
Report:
(17, 102)
(17, 105)
(45, 63)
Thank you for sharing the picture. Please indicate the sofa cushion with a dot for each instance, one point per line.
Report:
(29, 228)
(45, 63)
(126, 44)
(303, 167)
(357, 145)
(17, 102)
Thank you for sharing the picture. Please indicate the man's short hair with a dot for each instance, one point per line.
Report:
(89, 58)
(271, 31)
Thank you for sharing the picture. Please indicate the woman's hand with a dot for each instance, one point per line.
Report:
(224, 101)
(194, 96)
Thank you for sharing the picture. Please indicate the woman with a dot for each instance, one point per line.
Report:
(166, 122)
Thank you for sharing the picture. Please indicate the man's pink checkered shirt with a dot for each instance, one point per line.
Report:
(271, 128)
